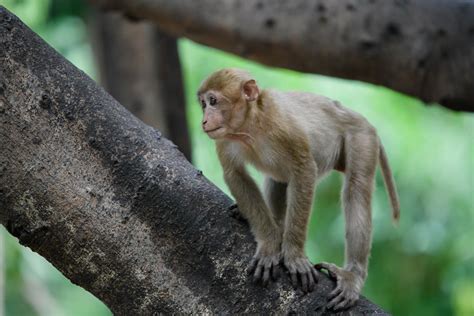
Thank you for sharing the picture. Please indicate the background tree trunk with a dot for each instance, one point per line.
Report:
(139, 66)
(422, 48)
(114, 205)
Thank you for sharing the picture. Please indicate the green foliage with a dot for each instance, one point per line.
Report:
(423, 267)
(32, 12)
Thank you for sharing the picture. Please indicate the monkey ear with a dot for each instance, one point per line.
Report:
(250, 90)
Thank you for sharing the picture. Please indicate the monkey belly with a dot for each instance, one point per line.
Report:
(272, 167)
(277, 174)
(265, 160)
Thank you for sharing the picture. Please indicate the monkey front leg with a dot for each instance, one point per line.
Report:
(300, 197)
(262, 223)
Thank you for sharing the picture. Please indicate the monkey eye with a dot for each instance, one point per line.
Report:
(203, 104)
(212, 101)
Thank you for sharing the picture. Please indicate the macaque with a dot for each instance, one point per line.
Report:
(294, 139)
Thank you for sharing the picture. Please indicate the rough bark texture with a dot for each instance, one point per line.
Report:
(114, 205)
(422, 48)
(139, 66)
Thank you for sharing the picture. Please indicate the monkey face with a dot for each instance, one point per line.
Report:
(216, 114)
(225, 99)
(222, 118)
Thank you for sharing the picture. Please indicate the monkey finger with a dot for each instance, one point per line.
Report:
(304, 282)
(315, 274)
(252, 266)
(276, 261)
(258, 273)
(335, 301)
(311, 282)
(275, 272)
(266, 276)
(294, 279)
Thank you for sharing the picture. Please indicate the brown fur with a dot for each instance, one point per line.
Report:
(295, 139)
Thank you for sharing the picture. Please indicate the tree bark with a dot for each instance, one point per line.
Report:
(139, 66)
(114, 205)
(421, 48)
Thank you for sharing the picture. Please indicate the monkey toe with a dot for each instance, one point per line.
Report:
(331, 268)
(345, 304)
(338, 299)
(343, 300)
(335, 292)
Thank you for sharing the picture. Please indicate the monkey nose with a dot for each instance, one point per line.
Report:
(204, 123)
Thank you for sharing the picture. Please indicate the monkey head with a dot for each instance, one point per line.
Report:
(226, 97)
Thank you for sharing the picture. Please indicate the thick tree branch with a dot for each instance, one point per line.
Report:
(115, 206)
(422, 48)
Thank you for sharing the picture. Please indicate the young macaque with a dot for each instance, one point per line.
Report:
(295, 138)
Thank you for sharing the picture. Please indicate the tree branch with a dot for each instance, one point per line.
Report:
(421, 48)
(115, 206)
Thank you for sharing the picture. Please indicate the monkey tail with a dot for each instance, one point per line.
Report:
(389, 184)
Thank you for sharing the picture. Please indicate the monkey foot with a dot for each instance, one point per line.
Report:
(301, 269)
(348, 286)
(262, 267)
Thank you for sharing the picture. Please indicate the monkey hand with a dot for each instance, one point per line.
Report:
(300, 268)
(348, 286)
(266, 261)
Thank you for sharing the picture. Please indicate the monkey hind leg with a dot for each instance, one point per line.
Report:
(361, 162)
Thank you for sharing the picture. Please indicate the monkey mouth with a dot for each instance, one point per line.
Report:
(212, 130)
